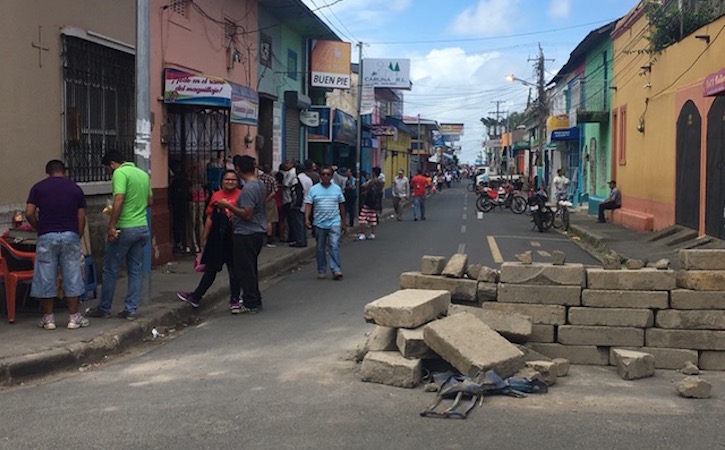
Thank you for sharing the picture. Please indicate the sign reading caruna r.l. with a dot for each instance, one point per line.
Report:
(387, 73)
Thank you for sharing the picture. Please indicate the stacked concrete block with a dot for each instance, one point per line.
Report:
(540, 314)
(711, 360)
(632, 365)
(472, 347)
(410, 344)
(647, 279)
(687, 339)
(538, 283)
(456, 266)
(600, 336)
(665, 358)
(586, 355)
(432, 265)
(381, 339)
(391, 368)
(408, 308)
(460, 289)
(514, 327)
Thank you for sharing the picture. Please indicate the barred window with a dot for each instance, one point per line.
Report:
(99, 106)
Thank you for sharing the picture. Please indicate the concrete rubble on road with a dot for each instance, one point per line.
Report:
(694, 387)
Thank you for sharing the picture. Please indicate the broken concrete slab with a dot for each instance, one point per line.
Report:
(633, 365)
(688, 299)
(625, 299)
(541, 314)
(547, 369)
(665, 358)
(409, 308)
(528, 373)
(701, 280)
(459, 288)
(647, 279)
(611, 262)
(662, 264)
(712, 360)
(473, 271)
(693, 387)
(525, 257)
(706, 259)
(514, 327)
(542, 295)
(634, 264)
(487, 292)
(612, 317)
(391, 368)
(543, 274)
(690, 369)
(488, 275)
(381, 339)
(561, 366)
(432, 265)
(687, 339)
(410, 344)
(558, 258)
(600, 336)
(587, 355)
(472, 347)
(691, 319)
(532, 355)
(456, 266)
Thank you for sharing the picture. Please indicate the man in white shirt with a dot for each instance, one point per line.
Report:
(401, 191)
(561, 185)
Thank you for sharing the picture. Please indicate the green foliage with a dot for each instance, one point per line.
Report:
(669, 24)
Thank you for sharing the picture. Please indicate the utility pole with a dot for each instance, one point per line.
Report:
(358, 164)
(498, 113)
(142, 144)
(497, 136)
(420, 144)
(542, 110)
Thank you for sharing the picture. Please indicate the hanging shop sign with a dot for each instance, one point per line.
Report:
(330, 64)
(310, 118)
(451, 129)
(714, 84)
(344, 128)
(323, 131)
(568, 134)
(185, 88)
(385, 130)
(387, 73)
(245, 105)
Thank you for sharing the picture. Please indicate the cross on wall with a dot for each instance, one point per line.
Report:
(39, 45)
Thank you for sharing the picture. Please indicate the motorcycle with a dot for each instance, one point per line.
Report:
(502, 197)
(541, 213)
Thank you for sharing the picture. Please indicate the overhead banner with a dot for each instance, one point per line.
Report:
(245, 105)
(387, 73)
(186, 88)
(330, 64)
(451, 129)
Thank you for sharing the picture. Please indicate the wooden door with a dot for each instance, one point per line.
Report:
(687, 171)
(715, 193)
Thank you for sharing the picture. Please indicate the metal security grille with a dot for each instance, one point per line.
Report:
(99, 106)
(292, 134)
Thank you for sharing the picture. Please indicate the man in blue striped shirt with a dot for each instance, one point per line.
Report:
(328, 203)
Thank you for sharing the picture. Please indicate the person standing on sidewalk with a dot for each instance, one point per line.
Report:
(266, 177)
(420, 185)
(128, 234)
(216, 243)
(250, 229)
(401, 191)
(61, 223)
(350, 193)
(328, 203)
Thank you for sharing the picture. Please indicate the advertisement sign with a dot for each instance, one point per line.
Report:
(385, 130)
(322, 132)
(245, 105)
(451, 129)
(367, 102)
(185, 88)
(714, 84)
(344, 128)
(330, 64)
(310, 118)
(387, 73)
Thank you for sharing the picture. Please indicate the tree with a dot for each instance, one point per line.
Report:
(669, 23)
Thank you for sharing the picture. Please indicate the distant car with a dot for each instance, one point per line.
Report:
(482, 175)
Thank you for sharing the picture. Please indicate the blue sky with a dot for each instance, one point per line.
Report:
(459, 51)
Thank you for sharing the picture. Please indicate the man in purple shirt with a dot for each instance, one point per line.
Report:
(56, 208)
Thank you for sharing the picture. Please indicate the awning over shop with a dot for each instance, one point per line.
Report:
(714, 84)
(567, 134)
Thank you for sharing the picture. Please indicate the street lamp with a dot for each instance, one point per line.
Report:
(511, 78)
(541, 113)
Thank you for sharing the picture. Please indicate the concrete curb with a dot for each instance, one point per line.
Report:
(591, 242)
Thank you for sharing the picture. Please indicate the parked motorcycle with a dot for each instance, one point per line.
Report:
(503, 198)
(541, 213)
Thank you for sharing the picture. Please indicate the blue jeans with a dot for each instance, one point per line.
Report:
(418, 207)
(328, 239)
(53, 251)
(128, 246)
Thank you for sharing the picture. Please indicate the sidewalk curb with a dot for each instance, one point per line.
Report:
(591, 242)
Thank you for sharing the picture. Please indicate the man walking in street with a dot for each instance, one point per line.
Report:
(128, 234)
(328, 203)
(61, 223)
(614, 201)
(401, 191)
(250, 227)
(420, 185)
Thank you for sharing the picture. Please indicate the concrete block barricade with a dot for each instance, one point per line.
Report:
(391, 368)
(543, 274)
(706, 259)
(612, 317)
(632, 365)
(625, 299)
(647, 279)
(432, 265)
(688, 339)
(456, 266)
(381, 339)
(472, 347)
(665, 358)
(701, 280)
(542, 333)
(408, 308)
(514, 327)
(710, 360)
(544, 295)
(486, 292)
(410, 344)
(600, 336)
(460, 289)
(587, 355)
(540, 314)
(689, 299)
(691, 320)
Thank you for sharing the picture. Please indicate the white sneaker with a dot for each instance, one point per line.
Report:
(76, 321)
(47, 322)
(372, 236)
(361, 237)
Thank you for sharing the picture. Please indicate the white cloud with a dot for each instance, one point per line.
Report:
(486, 18)
(559, 9)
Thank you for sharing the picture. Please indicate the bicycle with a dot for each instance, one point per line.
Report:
(561, 216)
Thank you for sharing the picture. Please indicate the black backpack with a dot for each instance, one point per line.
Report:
(297, 194)
(374, 196)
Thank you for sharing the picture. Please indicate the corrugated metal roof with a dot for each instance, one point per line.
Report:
(300, 18)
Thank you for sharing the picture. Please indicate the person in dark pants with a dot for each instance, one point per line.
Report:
(614, 201)
(350, 194)
(250, 230)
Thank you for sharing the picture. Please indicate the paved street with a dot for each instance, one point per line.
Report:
(285, 379)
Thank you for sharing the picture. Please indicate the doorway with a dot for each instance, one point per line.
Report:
(687, 167)
(715, 189)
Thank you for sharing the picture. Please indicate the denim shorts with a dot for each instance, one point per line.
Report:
(56, 252)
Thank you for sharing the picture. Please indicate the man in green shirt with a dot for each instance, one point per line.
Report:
(128, 234)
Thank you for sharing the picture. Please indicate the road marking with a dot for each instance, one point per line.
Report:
(538, 238)
(461, 248)
(544, 253)
(465, 208)
(535, 244)
(495, 251)
(465, 216)
(463, 228)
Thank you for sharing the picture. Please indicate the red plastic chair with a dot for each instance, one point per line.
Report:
(14, 266)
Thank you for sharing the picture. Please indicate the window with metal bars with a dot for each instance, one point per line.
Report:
(99, 106)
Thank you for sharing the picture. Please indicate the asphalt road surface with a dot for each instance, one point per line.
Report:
(285, 378)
